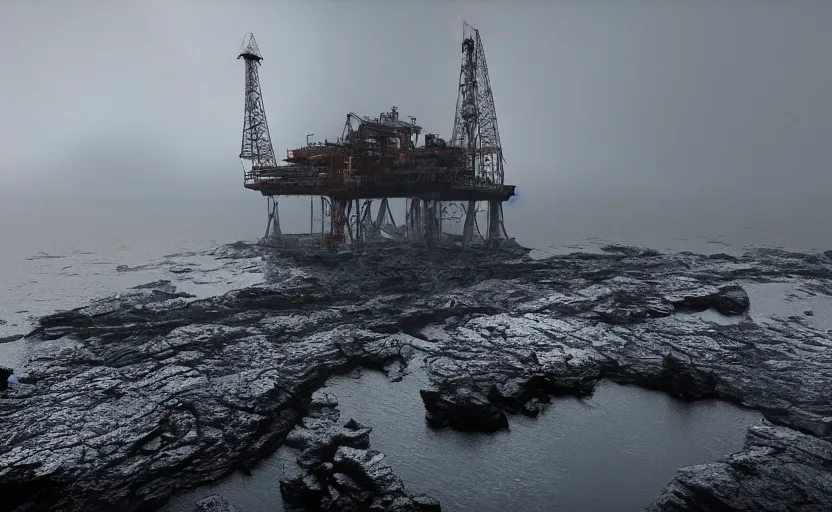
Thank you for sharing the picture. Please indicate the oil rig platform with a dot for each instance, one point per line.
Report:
(383, 158)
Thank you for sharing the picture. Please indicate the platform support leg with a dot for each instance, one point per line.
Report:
(440, 213)
(273, 222)
(383, 210)
(358, 231)
(432, 235)
(337, 220)
(495, 220)
(276, 231)
(268, 217)
(414, 220)
(373, 226)
(392, 219)
(502, 222)
(323, 213)
(468, 227)
(367, 224)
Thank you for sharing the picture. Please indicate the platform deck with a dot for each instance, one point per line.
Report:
(357, 189)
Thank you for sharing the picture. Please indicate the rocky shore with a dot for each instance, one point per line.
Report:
(156, 392)
(778, 469)
(339, 471)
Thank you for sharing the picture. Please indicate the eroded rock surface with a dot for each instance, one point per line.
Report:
(339, 471)
(156, 392)
(778, 469)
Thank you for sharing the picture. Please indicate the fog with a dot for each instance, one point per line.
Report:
(629, 119)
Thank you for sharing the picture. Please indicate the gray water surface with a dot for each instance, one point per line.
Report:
(614, 451)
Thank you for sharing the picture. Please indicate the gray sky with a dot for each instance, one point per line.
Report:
(612, 114)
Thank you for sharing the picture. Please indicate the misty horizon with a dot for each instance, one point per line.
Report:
(691, 118)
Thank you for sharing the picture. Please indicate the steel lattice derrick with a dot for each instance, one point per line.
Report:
(475, 122)
(256, 144)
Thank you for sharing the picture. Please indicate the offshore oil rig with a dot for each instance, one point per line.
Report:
(383, 158)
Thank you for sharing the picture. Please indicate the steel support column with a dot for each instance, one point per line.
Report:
(495, 220)
(468, 227)
(273, 223)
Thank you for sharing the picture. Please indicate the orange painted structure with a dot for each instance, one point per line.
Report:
(378, 158)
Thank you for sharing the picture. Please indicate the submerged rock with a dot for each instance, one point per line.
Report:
(339, 471)
(156, 392)
(214, 503)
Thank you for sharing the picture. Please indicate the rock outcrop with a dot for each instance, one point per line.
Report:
(463, 412)
(339, 471)
(4, 377)
(156, 391)
(778, 469)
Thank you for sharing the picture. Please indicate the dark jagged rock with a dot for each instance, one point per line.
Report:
(10, 338)
(514, 394)
(778, 469)
(214, 503)
(532, 408)
(629, 251)
(4, 377)
(465, 412)
(731, 300)
(157, 392)
(680, 378)
(339, 471)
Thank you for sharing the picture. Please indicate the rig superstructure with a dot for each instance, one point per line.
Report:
(383, 158)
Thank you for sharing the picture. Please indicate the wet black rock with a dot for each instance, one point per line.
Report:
(527, 394)
(214, 503)
(574, 319)
(532, 408)
(680, 380)
(339, 471)
(778, 469)
(156, 392)
(731, 300)
(4, 377)
(10, 338)
(465, 412)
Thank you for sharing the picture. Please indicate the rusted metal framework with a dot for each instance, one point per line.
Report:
(475, 123)
(383, 158)
(257, 143)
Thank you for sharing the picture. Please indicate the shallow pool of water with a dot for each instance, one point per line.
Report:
(614, 451)
(789, 298)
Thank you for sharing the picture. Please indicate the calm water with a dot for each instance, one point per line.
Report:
(614, 451)
(55, 275)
